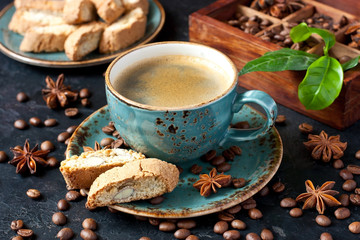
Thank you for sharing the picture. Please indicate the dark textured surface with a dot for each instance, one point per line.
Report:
(297, 165)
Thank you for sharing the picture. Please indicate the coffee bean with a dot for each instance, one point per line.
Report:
(355, 199)
(84, 93)
(186, 223)
(85, 102)
(231, 235)
(228, 154)
(346, 174)
(17, 238)
(241, 125)
(344, 200)
(342, 213)
(357, 155)
(278, 187)
(354, 169)
(63, 136)
(182, 233)
(196, 169)
(72, 196)
(217, 160)
(354, 227)
(349, 185)
(266, 234)
(264, 191)
(21, 124)
(236, 150)
(224, 167)
(22, 97)
(25, 232)
(59, 218)
(16, 225)
(63, 205)
(52, 162)
(235, 209)
(118, 143)
(144, 238)
(323, 220)
(154, 221)
(238, 224)
(83, 192)
(357, 190)
(3, 156)
(296, 212)
(51, 122)
(255, 213)
(35, 121)
(192, 237)
(280, 119)
(108, 130)
(248, 204)
(106, 142)
(157, 200)
(338, 164)
(326, 236)
(252, 236)
(88, 234)
(225, 216)
(47, 145)
(65, 234)
(238, 182)
(221, 227)
(116, 134)
(167, 226)
(71, 112)
(288, 203)
(33, 193)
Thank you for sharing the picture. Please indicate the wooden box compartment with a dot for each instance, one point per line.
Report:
(209, 26)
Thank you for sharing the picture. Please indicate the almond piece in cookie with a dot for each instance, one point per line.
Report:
(137, 180)
(84, 40)
(81, 171)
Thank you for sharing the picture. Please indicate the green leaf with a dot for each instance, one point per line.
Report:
(300, 33)
(328, 37)
(351, 63)
(322, 83)
(284, 59)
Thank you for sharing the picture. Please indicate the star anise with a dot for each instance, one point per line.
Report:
(325, 147)
(209, 182)
(57, 93)
(90, 149)
(28, 159)
(319, 196)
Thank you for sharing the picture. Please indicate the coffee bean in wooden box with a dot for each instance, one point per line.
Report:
(209, 26)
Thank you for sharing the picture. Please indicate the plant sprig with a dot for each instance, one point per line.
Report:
(324, 76)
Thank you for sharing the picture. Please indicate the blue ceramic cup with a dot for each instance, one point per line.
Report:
(182, 133)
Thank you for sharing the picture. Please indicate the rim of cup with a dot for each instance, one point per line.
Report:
(120, 61)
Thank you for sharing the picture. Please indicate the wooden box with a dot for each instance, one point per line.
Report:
(209, 26)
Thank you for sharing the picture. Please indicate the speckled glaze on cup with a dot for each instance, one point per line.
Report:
(183, 133)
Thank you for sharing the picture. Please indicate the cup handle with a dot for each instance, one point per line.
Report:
(266, 102)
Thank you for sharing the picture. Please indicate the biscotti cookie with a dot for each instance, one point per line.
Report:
(44, 5)
(132, 4)
(124, 32)
(23, 20)
(137, 180)
(79, 11)
(46, 39)
(80, 171)
(109, 10)
(84, 40)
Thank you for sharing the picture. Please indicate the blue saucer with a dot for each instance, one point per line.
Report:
(258, 163)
